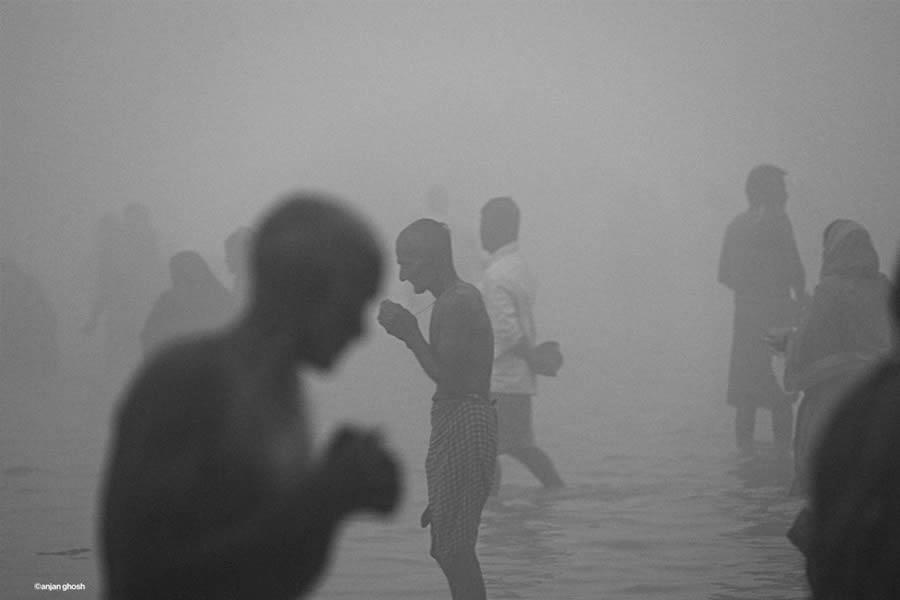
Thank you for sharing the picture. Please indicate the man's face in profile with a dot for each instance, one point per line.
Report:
(339, 325)
(414, 266)
(492, 233)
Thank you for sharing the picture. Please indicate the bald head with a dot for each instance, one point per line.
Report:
(428, 239)
(307, 246)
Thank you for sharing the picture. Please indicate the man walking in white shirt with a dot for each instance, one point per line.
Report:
(509, 293)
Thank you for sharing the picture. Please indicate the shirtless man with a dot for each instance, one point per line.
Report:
(212, 490)
(458, 357)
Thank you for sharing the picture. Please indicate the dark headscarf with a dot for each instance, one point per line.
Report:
(197, 301)
(190, 272)
(848, 251)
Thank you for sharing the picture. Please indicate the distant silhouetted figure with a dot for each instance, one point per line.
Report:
(29, 350)
(854, 544)
(211, 488)
(142, 244)
(111, 299)
(457, 356)
(761, 265)
(197, 302)
(510, 291)
(237, 251)
(144, 264)
(130, 274)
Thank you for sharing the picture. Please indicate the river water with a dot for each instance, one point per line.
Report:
(658, 504)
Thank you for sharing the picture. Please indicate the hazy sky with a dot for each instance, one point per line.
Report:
(624, 129)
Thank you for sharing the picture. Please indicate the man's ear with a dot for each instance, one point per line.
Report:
(316, 284)
(334, 285)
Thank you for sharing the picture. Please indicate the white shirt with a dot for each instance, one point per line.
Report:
(509, 292)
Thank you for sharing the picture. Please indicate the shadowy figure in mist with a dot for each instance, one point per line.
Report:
(211, 488)
(129, 276)
(110, 301)
(145, 267)
(197, 302)
(854, 526)
(457, 356)
(760, 263)
(29, 350)
(510, 290)
(845, 332)
(237, 249)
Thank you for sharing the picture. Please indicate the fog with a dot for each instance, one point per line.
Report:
(624, 130)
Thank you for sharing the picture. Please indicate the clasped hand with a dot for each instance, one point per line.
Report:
(397, 320)
(369, 472)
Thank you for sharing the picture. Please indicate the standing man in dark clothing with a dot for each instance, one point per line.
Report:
(457, 356)
(761, 265)
(212, 489)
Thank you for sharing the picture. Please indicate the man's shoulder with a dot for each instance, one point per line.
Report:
(463, 298)
(464, 292)
(193, 355)
(184, 367)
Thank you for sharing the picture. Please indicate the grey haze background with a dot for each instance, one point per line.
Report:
(623, 129)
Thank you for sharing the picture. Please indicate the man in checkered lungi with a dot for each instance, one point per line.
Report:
(458, 356)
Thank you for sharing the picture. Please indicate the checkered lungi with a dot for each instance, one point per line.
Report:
(459, 468)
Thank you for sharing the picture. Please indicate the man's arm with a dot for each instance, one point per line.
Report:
(296, 527)
(170, 464)
(424, 355)
(444, 360)
(402, 324)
